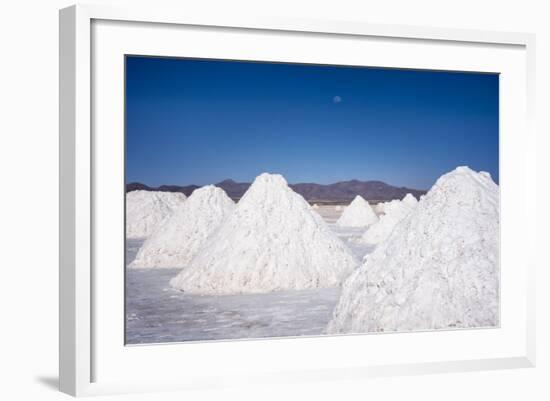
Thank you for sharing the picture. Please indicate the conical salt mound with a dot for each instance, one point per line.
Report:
(409, 200)
(394, 212)
(358, 214)
(178, 240)
(145, 210)
(438, 269)
(272, 241)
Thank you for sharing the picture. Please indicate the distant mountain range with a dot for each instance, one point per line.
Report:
(343, 191)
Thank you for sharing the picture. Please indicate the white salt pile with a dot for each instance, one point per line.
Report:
(179, 238)
(338, 208)
(394, 212)
(409, 200)
(315, 206)
(272, 241)
(145, 210)
(438, 269)
(379, 207)
(358, 214)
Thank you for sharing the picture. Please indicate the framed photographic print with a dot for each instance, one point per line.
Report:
(294, 200)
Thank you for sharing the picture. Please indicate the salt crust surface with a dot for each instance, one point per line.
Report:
(178, 239)
(438, 269)
(358, 214)
(145, 210)
(272, 241)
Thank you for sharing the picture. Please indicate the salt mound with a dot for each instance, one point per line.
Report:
(394, 212)
(145, 210)
(272, 241)
(338, 208)
(177, 240)
(379, 207)
(438, 269)
(410, 200)
(315, 206)
(358, 214)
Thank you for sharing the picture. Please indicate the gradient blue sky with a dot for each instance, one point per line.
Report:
(202, 121)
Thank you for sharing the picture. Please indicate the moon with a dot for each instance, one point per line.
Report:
(336, 99)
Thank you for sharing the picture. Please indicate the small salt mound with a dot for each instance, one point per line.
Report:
(145, 210)
(338, 208)
(379, 207)
(438, 269)
(394, 212)
(410, 200)
(177, 241)
(358, 214)
(272, 241)
(315, 206)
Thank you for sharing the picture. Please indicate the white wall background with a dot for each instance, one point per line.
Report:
(29, 185)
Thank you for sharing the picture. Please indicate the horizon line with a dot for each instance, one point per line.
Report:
(289, 183)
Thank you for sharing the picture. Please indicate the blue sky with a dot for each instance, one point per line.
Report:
(201, 121)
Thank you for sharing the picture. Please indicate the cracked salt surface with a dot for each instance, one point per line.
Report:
(156, 313)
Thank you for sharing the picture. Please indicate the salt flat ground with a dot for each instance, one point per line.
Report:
(156, 313)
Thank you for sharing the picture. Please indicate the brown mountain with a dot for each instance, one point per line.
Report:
(343, 191)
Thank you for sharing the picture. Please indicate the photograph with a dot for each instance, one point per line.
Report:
(278, 199)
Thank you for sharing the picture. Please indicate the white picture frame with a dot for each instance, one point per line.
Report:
(82, 344)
